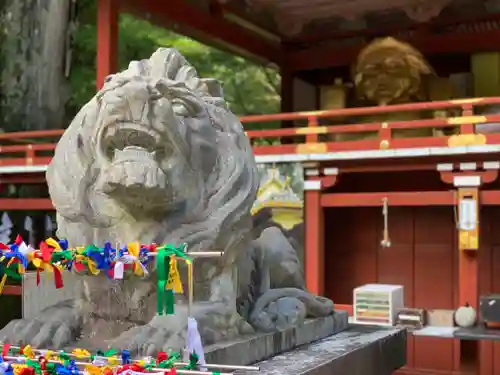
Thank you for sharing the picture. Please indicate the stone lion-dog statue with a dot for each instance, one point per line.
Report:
(157, 157)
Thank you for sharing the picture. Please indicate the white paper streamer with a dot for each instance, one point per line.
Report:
(49, 227)
(193, 342)
(5, 228)
(3, 367)
(120, 265)
(28, 227)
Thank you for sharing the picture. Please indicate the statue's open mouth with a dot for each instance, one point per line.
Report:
(134, 176)
(121, 135)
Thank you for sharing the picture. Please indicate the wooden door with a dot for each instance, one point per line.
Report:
(421, 258)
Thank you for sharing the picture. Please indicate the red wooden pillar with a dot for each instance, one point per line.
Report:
(467, 259)
(107, 39)
(316, 180)
(314, 237)
(469, 178)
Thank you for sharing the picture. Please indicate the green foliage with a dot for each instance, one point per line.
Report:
(249, 88)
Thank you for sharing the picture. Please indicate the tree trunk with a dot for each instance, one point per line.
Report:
(33, 45)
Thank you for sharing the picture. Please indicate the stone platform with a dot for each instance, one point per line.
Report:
(254, 348)
(359, 350)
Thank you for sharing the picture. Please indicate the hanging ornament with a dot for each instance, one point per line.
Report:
(49, 226)
(28, 227)
(5, 228)
(386, 242)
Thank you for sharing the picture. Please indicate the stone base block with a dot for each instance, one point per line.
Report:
(251, 349)
(359, 350)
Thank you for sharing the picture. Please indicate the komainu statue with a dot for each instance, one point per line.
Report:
(157, 157)
(389, 71)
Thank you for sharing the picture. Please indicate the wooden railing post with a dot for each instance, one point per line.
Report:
(385, 135)
(469, 128)
(312, 123)
(30, 155)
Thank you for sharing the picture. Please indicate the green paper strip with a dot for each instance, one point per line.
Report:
(169, 302)
(65, 358)
(172, 250)
(161, 259)
(165, 298)
(50, 369)
(107, 354)
(193, 362)
(35, 366)
(169, 363)
(11, 272)
(58, 256)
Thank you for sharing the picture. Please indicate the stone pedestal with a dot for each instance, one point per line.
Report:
(359, 350)
(251, 349)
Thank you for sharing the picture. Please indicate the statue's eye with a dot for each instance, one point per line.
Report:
(108, 78)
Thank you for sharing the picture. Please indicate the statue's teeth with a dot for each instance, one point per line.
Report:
(132, 152)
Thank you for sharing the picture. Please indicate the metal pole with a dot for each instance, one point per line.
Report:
(191, 288)
(162, 370)
(177, 364)
(199, 254)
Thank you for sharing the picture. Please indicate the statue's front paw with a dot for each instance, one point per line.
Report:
(160, 334)
(54, 327)
(283, 313)
(216, 322)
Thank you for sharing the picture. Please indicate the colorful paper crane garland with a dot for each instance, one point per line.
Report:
(54, 256)
(28, 361)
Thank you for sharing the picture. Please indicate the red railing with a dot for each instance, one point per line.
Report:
(316, 132)
(320, 138)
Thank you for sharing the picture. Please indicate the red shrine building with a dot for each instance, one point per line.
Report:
(392, 108)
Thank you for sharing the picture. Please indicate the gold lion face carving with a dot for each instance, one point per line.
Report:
(389, 71)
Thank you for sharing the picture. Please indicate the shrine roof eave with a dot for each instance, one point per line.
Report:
(185, 19)
(319, 56)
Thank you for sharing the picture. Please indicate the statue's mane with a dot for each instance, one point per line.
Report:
(224, 218)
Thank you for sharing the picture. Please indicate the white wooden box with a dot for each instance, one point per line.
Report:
(377, 304)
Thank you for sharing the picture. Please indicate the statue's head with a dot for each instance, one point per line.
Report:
(155, 155)
(390, 71)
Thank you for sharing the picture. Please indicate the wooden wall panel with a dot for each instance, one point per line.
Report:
(435, 280)
(351, 237)
(421, 258)
(435, 274)
(395, 263)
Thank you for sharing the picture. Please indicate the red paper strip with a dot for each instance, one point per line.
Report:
(160, 357)
(79, 267)
(19, 240)
(27, 371)
(58, 278)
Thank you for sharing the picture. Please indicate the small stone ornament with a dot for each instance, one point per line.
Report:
(465, 316)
